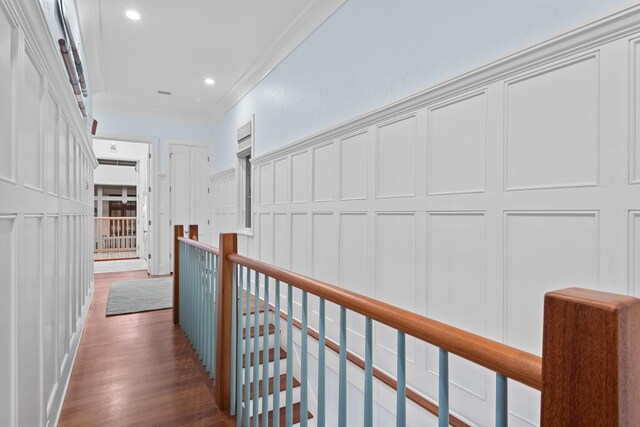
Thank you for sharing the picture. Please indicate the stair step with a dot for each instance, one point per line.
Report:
(283, 385)
(272, 329)
(271, 356)
(283, 416)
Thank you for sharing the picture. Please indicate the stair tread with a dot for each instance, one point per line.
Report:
(271, 355)
(272, 329)
(252, 308)
(283, 385)
(283, 416)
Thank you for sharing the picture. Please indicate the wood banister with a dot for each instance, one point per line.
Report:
(193, 232)
(200, 245)
(178, 232)
(591, 370)
(516, 364)
(228, 247)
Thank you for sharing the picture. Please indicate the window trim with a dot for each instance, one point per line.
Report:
(244, 156)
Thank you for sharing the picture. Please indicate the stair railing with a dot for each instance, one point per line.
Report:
(114, 234)
(588, 374)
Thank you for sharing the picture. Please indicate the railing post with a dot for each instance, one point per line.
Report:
(228, 245)
(590, 369)
(178, 231)
(193, 231)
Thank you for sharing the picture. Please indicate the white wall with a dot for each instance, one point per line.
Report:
(46, 181)
(467, 202)
(372, 52)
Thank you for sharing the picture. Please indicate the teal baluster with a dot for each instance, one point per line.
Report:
(289, 413)
(239, 351)
(303, 356)
(401, 389)
(265, 351)
(214, 310)
(247, 349)
(502, 419)
(256, 351)
(443, 390)
(368, 373)
(276, 363)
(234, 316)
(342, 376)
(321, 366)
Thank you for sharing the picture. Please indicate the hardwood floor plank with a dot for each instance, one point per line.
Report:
(137, 370)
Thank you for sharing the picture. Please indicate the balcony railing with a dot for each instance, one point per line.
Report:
(231, 307)
(115, 234)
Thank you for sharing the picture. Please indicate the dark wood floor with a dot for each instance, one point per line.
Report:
(136, 369)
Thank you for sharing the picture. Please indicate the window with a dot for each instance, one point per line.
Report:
(244, 138)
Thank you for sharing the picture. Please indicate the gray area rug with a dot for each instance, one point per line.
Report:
(134, 296)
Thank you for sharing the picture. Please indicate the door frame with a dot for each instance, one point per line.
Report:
(153, 266)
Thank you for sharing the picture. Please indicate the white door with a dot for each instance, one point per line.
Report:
(199, 192)
(189, 190)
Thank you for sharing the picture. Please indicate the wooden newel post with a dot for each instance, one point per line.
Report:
(590, 359)
(178, 231)
(193, 232)
(228, 245)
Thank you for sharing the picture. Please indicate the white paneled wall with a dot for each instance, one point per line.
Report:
(46, 185)
(468, 202)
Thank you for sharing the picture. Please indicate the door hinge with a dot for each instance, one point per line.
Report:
(169, 189)
(208, 158)
(208, 190)
(149, 256)
(149, 222)
(170, 155)
(170, 258)
(149, 155)
(149, 189)
(169, 222)
(208, 223)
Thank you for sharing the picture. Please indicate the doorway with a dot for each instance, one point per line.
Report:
(122, 202)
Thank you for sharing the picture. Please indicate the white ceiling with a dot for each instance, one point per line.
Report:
(178, 43)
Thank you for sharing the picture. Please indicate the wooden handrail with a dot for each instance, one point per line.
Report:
(199, 245)
(518, 365)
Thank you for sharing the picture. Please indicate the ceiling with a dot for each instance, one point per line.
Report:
(179, 43)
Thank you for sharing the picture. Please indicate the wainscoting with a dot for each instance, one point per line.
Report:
(46, 220)
(467, 202)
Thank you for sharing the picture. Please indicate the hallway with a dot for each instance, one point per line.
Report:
(136, 369)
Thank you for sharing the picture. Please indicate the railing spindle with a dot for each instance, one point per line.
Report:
(401, 388)
(501, 401)
(239, 352)
(321, 366)
(234, 343)
(265, 351)
(303, 357)
(289, 411)
(276, 358)
(368, 373)
(247, 349)
(342, 376)
(256, 350)
(443, 389)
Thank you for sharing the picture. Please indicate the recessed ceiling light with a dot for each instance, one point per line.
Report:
(209, 81)
(198, 99)
(133, 15)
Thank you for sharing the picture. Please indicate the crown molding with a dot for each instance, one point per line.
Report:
(612, 27)
(307, 21)
(100, 106)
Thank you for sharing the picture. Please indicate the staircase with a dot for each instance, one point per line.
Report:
(274, 385)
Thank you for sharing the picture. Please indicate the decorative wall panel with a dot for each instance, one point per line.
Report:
(552, 126)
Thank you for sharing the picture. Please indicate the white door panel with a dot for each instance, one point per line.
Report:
(189, 192)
